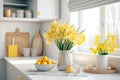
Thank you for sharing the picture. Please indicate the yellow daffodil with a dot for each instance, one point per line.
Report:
(104, 47)
(64, 35)
(108, 35)
(93, 50)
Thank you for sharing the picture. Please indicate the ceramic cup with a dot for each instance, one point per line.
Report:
(34, 52)
(25, 51)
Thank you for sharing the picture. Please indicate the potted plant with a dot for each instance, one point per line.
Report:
(65, 37)
(102, 49)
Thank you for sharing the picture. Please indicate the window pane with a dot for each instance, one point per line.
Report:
(88, 20)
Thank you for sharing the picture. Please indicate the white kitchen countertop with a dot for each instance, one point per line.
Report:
(26, 66)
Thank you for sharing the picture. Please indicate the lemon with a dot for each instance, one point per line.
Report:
(49, 61)
(69, 69)
(53, 62)
(44, 63)
(44, 58)
(38, 62)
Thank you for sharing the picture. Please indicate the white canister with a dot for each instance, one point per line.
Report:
(20, 13)
(101, 62)
(28, 14)
(13, 14)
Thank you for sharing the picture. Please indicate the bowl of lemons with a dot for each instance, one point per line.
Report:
(44, 64)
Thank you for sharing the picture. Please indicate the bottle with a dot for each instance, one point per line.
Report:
(13, 49)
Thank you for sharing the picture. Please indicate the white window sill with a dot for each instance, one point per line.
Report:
(114, 56)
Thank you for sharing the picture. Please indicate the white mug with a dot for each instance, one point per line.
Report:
(25, 51)
(34, 52)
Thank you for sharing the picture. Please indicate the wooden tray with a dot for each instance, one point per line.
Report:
(37, 42)
(111, 71)
(21, 39)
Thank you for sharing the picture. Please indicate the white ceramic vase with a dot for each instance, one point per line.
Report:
(65, 59)
(101, 62)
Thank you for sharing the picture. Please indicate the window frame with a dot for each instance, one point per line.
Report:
(102, 29)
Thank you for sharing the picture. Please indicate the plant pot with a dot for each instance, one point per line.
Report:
(65, 59)
(101, 62)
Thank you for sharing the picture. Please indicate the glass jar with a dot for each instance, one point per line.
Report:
(28, 14)
(20, 13)
(7, 12)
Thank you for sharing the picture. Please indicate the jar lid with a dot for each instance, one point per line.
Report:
(20, 10)
(28, 10)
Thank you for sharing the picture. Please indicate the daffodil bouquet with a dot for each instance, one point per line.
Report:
(104, 47)
(64, 35)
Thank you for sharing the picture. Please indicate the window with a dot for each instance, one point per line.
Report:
(99, 21)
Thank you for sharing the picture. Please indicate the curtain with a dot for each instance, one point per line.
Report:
(75, 5)
(112, 20)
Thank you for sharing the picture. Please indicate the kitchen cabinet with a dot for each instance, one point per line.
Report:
(14, 74)
(45, 8)
(42, 10)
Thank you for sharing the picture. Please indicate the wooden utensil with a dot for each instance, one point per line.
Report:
(95, 71)
(37, 43)
(21, 39)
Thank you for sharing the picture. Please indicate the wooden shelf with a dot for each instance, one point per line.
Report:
(15, 4)
(26, 19)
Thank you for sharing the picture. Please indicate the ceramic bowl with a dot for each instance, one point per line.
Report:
(42, 67)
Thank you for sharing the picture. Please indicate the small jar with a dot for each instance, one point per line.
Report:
(20, 13)
(13, 14)
(7, 12)
(28, 14)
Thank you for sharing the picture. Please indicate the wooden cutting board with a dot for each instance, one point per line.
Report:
(21, 39)
(37, 42)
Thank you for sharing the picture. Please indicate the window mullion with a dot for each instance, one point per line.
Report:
(102, 22)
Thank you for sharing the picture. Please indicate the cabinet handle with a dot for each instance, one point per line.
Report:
(11, 69)
(20, 77)
(38, 13)
(10, 74)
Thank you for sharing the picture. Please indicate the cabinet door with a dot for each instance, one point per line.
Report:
(1, 8)
(10, 72)
(47, 8)
(20, 76)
